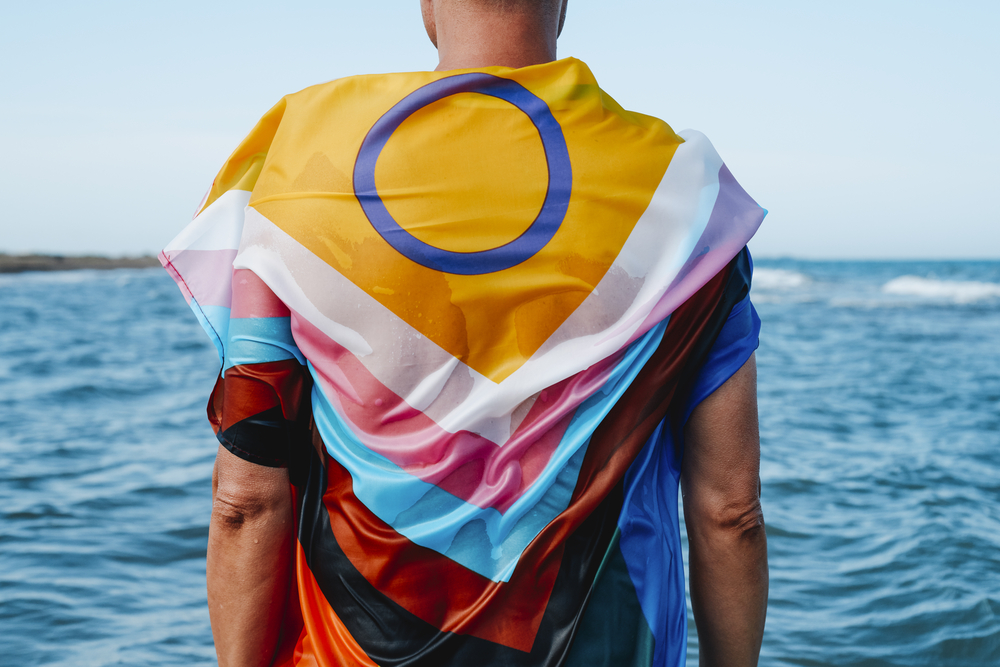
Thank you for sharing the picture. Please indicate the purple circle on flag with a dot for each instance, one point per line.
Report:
(525, 246)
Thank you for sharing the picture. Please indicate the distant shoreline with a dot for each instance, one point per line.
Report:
(22, 263)
(43, 262)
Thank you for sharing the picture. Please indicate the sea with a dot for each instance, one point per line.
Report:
(879, 399)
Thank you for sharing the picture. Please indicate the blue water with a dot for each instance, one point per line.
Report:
(880, 427)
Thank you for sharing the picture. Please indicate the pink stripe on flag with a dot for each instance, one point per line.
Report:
(204, 274)
(465, 464)
(165, 262)
(734, 219)
(253, 298)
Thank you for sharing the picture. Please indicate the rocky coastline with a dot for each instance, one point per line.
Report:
(38, 262)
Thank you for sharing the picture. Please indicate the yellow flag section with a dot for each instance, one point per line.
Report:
(463, 175)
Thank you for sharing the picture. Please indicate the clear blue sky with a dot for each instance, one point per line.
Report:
(869, 129)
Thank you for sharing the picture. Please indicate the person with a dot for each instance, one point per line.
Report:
(476, 325)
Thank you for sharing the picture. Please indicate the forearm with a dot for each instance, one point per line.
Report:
(729, 582)
(249, 572)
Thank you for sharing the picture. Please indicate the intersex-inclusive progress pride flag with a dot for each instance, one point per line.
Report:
(463, 308)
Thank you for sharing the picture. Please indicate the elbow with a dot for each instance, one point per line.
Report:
(246, 495)
(235, 508)
(744, 521)
(741, 521)
(233, 512)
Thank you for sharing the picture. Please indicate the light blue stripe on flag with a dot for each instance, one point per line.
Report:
(256, 340)
(215, 321)
(483, 540)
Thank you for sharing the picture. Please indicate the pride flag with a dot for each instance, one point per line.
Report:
(468, 310)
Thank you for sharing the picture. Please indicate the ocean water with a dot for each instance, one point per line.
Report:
(879, 390)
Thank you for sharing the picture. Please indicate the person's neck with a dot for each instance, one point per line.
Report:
(472, 39)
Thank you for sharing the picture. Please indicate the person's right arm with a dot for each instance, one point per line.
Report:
(250, 543)
(725, 524)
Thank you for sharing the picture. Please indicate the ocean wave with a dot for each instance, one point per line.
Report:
(778, 279)
(48, 277)
(74, 276)
(957, 291)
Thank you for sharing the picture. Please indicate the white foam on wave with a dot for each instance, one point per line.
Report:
(957, 291)
(778, 279)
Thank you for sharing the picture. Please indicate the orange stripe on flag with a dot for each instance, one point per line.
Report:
(324, 641)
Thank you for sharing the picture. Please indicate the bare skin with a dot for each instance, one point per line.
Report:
(720, 483)
(251, 532)
(471, 34)
(249, 559)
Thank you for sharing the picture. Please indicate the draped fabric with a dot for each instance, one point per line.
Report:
(470, 312)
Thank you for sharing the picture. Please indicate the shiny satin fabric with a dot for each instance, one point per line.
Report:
(458, 370)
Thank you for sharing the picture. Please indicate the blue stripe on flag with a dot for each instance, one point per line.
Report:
(215, 321)
(256, 340)
(483, 540)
